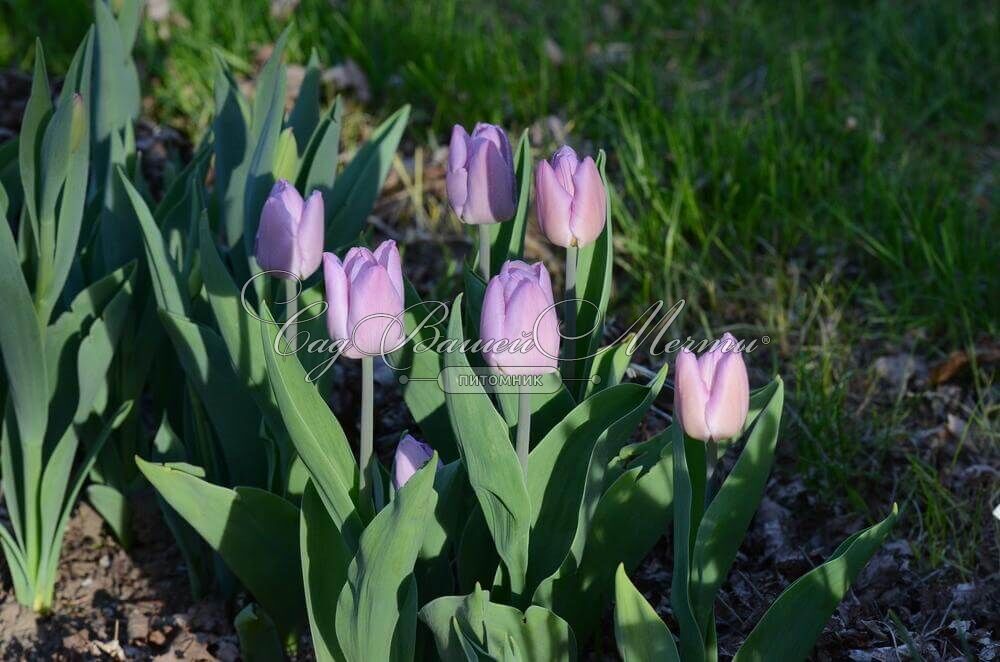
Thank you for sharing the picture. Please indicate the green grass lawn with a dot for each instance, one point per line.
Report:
(824, 173)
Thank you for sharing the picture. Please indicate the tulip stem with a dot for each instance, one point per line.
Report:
(711, 461)
(570, 306)
(523, 427)
(367, 420)
(484, 251)
(291, 310)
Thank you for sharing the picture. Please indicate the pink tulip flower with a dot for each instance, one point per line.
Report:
(289, 239)
(712, 392)
(570, 199)
(480, 178)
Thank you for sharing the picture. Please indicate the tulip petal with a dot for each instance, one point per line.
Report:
(490, 185)
(310, 235)
(491, 319)
(565, 163)
(553, 206)
(457, 185)
(458, 148)
(690, 397)
(729, 402)
(372, 293)
(589, 207)
(276, 246)
(498, 137)
(411, 456)
(357, 258)
(388, 256)
(337, 301)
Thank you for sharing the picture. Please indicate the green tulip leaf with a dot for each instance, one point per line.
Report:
(318, 166)
(372, 606)
(471, 624)
(255, 532)
(631, 516)
(316, 434)
(358, 186)
(640, 633)
(566, 471)
(689, 495)
(728, 516)
(325, 560)
(490, 462)
(305, 113)
(791, 625)
(259, 638)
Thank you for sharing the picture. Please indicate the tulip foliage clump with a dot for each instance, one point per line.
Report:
(501, 525)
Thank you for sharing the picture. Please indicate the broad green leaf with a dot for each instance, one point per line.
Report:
(631, 516)
(728, 516)
(423, 395)
(232, 411)
(305, 113)
(259, 638)
(268, 111)
(689, 497)
(491, 463)
(36, 113)
(255, 532)
(358, 186)
(433, 570)
(507, 239)
(791, 625)
(317, 436)
(230, 138)
(566, 470)
(48, 564)
(608, 367)
(497, 632)
(129, 16)
(641, 634)
(21, 342)
(369, 609)
(170, 290)
(115, 101)
(325, 560)
(318, 166)
(168, 447)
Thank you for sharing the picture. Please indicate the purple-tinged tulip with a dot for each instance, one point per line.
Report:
(411, 456)
(518, 310)
(364, 295)
(712, 392)
(480, 177)
(570, 199)
(290, 234)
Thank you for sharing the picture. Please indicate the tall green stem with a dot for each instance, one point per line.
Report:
(569, 312)
(367, 420)
(291, 309)
(484, 251)
(523, 428)
(711, 460)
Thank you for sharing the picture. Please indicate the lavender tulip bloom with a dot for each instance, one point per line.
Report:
(570, 199)
(363, 285)
(712, 392)
(480, 177)
(411, 456)
(518, 310)
(290, 234)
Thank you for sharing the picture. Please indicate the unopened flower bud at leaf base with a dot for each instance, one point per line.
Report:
(712, 392)
(365, 296)
(411, 456)
(289, 241)
(570, 199)
(518, 308)
(480, 177)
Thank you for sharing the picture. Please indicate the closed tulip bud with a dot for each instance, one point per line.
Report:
(712, 392)
(480, 177)
(290, 234)
(364, 295)
(518, 311)
(570, 199)
(411, 456)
